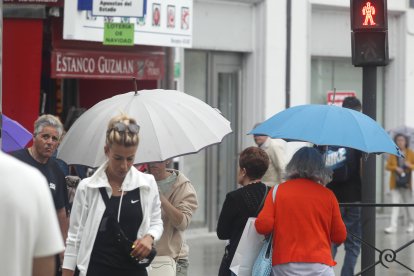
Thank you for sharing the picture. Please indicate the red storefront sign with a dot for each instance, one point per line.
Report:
(106, 65)
(43, 2)
(339, 97)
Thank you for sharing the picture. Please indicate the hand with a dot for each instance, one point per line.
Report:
(407, 164)
(67, 272)
(399, 170)
(142, 247)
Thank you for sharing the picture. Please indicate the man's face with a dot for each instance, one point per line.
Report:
(46, 142)
(259, 139)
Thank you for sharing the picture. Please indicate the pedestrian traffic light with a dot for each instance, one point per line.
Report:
(370, 48)
(370, 36)
(369, 15)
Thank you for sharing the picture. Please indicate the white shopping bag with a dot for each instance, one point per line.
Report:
(246, 253)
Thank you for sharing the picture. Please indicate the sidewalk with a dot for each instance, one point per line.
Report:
(206, 251)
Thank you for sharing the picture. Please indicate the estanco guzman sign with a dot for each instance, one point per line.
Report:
(96, 65)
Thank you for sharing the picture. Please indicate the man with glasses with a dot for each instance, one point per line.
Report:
(47, 133)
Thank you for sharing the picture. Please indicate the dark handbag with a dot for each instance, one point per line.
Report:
(402, 180)
(122, 239)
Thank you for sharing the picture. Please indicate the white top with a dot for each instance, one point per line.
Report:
(28, 221)
(303, 269)
(89, 207)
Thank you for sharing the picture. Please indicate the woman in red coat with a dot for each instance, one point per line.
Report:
(305, 218)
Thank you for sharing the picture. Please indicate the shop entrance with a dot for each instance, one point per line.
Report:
(214, 78)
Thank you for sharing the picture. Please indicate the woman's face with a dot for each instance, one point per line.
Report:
(120, 159)
(401, 142)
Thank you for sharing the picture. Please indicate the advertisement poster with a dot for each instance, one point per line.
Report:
(165, 23)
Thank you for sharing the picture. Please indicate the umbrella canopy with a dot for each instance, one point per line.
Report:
(14, 135)
(405, 130)
(172, 124)
(329, 125)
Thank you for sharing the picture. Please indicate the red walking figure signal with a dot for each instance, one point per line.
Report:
(368, 11)
(369, 15)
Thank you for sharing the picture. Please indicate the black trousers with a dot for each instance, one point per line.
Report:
(58, 269)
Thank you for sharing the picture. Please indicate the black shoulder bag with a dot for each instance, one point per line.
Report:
(122, 239)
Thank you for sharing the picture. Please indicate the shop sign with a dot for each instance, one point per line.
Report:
(42, 2)
(128, 8)
(166, 23)
(121, 34)
(339, 97)
(108, 65)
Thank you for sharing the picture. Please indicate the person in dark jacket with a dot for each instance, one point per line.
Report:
(242, 203)
(346, 185)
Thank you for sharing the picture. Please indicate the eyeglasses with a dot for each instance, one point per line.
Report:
(122, 127)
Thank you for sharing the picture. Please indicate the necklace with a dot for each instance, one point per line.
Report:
(114, 186)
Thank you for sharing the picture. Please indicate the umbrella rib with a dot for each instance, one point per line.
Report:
(152, 125)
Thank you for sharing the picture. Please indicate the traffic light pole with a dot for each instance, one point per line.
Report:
(369, 108)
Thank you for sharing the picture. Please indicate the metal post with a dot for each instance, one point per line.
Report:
(168, 81)
(288, 46)
(369, 107)
(1, 70)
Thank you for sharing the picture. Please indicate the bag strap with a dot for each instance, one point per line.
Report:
(105, 198)
(263, 200)
(269, 245)
(274, 192)
(104, 195)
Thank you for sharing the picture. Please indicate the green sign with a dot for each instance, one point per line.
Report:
(121, 34)
(177, 70)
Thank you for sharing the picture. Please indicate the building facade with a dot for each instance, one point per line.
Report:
(239, 64)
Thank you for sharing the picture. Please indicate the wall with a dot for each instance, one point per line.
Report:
(221, 25)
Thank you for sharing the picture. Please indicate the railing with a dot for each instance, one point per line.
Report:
(386, 256)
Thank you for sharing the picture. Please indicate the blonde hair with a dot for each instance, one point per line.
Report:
(124, 138)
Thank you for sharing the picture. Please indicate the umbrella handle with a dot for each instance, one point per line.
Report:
(135, 85)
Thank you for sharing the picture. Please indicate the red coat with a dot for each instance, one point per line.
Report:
(305, 219)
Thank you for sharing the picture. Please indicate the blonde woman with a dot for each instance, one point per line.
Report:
(92, 246)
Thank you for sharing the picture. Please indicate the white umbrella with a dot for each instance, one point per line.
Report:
(172, 124)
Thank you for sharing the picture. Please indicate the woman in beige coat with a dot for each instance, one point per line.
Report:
(178, 204)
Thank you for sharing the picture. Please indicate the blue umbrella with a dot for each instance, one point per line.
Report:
(14, 135)
(329, 125)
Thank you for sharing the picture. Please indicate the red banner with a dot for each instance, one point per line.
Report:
(106, 65)
(42, 2)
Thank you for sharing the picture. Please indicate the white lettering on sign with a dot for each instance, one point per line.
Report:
(115, 66)
(74, 64)
(152, 70)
